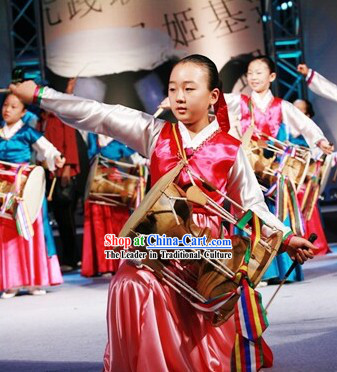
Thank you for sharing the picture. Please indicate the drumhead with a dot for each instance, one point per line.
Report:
(150, 199)
(306, 158)
(326, 169)
(34, 191)
(91, 176)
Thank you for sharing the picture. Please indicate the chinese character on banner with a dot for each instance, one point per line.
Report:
(53, 18)
(140, 24)
(256, 9)
(83, 7)
(226, 21)
(182, 27)
(122, 2)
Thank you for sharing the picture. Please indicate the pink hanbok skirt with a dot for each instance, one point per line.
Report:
(26, 263)
(151, 328)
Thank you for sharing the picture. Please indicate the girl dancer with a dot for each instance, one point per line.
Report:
(25, 263)
(150, 327)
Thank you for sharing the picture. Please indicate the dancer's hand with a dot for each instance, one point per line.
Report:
(300, 249)
(165, 104)
(71, 85)
(24, 91)
(303, 69)
(59, 161)
(325, 146)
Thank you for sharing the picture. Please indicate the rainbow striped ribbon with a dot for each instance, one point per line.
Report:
(250, 316)
(288, 204)
(295, 214)
(288, 152)
(23, 222)
(251, 356)
(311, 193)
(214, 304)
(7, 203)
(250, 352)
(244, 219)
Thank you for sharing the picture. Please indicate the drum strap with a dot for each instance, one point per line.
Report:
(250, 130)
(23, 222)
(250, 352)
(181, 149)
(312, 189)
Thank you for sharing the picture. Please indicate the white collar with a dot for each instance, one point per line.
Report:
(8, 132)
(200, 137)
(262, 103)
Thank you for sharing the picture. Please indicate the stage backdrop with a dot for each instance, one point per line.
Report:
(5, 65)
(320, 53)
(319, 30)
(104, 37)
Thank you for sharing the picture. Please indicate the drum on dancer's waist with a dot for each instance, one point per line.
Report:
(21, 183)
(270, 158)
(167, 209)
(316, 180)
(320, 168)
(115, 183)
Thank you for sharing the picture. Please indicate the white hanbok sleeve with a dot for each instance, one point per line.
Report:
(139, 159)
(233, 101)
(45, 150)
(242, 187)
(134, 128)
(299, 123)
(321, 86)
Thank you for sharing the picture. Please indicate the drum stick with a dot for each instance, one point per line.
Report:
(119, 163)
(311, 239)
(141, 183)
(4, 90)
(51, 191)
(284, 144)
(158, 112)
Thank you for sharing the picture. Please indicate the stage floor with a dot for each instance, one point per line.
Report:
(66, 331)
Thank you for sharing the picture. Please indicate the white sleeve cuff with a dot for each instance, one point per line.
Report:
(46, 151)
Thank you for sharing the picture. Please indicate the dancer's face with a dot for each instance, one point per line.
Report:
(12, 109)
(189, 93)
(259, 76)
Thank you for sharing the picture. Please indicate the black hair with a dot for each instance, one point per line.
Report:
(203, 61)
(309, 108)
(12, 94)
(267, 60)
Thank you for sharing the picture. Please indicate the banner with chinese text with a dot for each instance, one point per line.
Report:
(122, 51)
